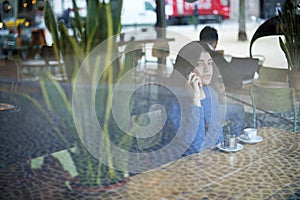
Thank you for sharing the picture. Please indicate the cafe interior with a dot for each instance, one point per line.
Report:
(80, 118)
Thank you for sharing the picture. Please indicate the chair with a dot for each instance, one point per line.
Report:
(273, 101)
(160, 49)
(294, 82)
(47, 60)
(29, 66)
(149, 139)
(54, 62)
(273, 74)
(270, 84)
(133, 53)
(260, 58)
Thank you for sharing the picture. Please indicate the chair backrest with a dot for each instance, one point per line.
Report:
(48, 54)
(261, 59)
(277, 100)
(160, 49)
(273, 74)
(294, 80)
(9, 70)
(133, 52)
(149, 137)
(270, 84)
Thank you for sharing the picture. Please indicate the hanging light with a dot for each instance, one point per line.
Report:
(6, 6)
(25, 4)
(27, 23)
(33, 2)
(1, 23)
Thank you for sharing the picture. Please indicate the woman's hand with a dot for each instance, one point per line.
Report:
(195, 82)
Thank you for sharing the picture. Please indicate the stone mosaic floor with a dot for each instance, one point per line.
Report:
(259, 171)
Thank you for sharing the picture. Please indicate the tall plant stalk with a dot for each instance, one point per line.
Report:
(101, 23)
(290, 26)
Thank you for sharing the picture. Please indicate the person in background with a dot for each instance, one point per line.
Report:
(277, 8)
(209, 37)
(66, 17)
(197, 117)
(196, 14)
(234, 112)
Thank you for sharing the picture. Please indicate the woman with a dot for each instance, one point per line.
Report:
(194, 117)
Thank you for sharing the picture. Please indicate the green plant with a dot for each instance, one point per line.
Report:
(289, 25)
(101, 23)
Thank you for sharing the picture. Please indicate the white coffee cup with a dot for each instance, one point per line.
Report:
(250, 133)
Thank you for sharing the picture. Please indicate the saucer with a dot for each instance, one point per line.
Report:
(256, 139)
(239, 147)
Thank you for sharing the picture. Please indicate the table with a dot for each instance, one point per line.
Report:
(145, 41)
(18, 52)
(266, 170)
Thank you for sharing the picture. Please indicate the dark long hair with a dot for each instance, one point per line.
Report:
(187, 59)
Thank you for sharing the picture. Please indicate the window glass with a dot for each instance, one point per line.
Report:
(225, 2)
(149, 6)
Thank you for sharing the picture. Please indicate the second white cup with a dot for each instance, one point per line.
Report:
(250, 133)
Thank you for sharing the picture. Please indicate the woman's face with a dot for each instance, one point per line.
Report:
(204, 68)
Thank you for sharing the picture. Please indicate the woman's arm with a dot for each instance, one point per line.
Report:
(212, 118)
(186, 123)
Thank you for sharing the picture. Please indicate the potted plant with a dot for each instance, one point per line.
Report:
(101, 23)
(289, 25)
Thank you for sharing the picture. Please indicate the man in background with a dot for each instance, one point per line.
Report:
(234, 112)
(209, 38)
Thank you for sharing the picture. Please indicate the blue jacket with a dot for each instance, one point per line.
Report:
(193, 128)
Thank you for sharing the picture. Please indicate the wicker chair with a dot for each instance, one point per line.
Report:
(273, 101)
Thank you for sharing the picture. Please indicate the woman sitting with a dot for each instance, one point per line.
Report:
(193, 121)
